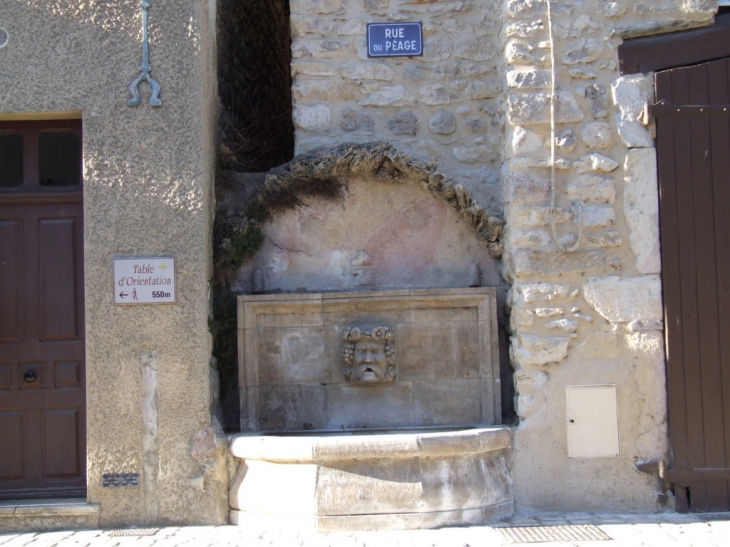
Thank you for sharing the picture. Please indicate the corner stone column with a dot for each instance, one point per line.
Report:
(592, 316)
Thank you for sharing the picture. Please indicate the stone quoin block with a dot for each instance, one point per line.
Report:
(312, 118)
(623, 299)
(524, 29)
(321, 90)
(641, 208)
(531, 352)
(534, 108)
(528, 78)
(321, 49)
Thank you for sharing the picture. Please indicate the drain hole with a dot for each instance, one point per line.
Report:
(540, 534)
(134, 532)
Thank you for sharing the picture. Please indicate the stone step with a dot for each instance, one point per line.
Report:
(47, 514)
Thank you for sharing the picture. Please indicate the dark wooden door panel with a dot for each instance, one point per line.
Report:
(716, 371)
(11, 276)
(667, 150)
(33, 399)
(6, 376)
(42, 402)
(694, 178)
(720, 127)
(67, 374)
(11, 446)
(58, 276)
(710, 379)
(61, 456)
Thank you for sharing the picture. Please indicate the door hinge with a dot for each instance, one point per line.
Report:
(684, 475)
(662, 109)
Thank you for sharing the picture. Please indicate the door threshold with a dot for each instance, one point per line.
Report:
(58, 506)
(47, 514)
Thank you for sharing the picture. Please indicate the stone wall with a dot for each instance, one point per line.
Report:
(478, 103)
(443, 106)
(148, 188)
(594, 315)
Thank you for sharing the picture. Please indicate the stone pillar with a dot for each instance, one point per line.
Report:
(591, 316)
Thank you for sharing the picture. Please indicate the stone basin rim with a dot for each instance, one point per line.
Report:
(316, 449)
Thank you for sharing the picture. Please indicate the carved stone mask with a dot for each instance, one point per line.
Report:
(369, 355)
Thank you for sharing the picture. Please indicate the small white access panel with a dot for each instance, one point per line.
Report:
(592, 421)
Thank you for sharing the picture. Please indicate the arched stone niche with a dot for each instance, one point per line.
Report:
(398, 223)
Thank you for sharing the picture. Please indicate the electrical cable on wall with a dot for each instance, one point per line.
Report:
(576, 208)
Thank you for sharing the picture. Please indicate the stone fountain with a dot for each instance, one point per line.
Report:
(371, 402)
(370, 410)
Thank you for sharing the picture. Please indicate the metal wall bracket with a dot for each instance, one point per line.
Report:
(656, 467)
(144, 67)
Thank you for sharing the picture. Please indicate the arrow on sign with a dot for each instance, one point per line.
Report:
(123, 294)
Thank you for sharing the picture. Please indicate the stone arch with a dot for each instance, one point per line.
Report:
(247, 201)
(346, 174)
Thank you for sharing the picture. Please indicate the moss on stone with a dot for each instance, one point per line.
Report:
(282, 197)
(247, 200)
(235, 241)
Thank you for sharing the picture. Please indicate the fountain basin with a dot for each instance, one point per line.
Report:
(397, 479)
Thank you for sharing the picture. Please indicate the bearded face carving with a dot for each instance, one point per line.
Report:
(369, 355)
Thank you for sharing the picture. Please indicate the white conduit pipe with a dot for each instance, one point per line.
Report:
(577, 207)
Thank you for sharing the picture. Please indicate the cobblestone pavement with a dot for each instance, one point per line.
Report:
(663, 530)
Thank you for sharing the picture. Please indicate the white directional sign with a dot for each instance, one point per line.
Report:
(144, 280)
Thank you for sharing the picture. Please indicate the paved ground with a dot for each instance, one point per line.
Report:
(665, 530)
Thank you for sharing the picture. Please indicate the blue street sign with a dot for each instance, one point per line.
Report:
(395, 39)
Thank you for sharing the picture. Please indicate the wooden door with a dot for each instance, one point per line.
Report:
(42, 380)
(693, 150)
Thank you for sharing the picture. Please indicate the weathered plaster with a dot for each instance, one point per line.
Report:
(378, 235)
(148, 177)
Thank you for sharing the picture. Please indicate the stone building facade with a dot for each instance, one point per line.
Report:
(584, 291)
(147, 191)
(478, 103)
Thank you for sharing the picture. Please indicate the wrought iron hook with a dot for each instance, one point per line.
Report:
(144, 67)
